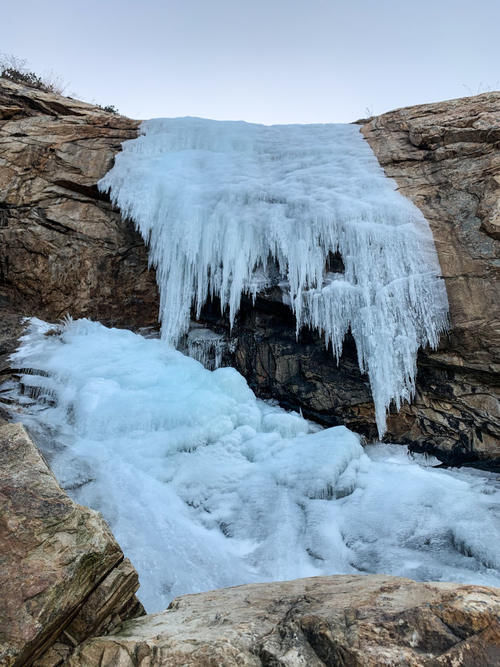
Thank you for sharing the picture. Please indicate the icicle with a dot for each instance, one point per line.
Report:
(207, 347)
(216, 201)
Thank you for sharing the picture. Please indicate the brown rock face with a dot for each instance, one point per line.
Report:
(11, 328)
(63, 248)
(360, 621)
(61, 570)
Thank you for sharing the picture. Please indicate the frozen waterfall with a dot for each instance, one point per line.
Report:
(218, 201)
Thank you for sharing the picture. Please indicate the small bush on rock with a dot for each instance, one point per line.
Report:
(16, 69)
(109, 108)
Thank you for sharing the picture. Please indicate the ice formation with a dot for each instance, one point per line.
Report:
(218, 201)
(205, 486)
(206, 346)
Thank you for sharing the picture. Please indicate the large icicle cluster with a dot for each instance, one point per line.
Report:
(218, 201)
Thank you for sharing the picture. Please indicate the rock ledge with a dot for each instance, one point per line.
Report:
(359, 621)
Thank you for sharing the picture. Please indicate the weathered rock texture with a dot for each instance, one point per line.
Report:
(63, 577)
(63, 248)
(446, 158)
(359, 621)
(11, 327)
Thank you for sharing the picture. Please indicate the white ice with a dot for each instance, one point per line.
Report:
(205, 486)
(218, 201)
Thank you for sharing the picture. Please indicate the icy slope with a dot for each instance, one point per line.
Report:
(217, 201)
(205, 486)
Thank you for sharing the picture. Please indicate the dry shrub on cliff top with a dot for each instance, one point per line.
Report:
(16, 69)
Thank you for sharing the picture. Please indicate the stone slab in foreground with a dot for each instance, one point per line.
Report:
(62, 573)
(338, 620)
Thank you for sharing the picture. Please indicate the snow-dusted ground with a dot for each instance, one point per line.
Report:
(217, 201)
(205, 486)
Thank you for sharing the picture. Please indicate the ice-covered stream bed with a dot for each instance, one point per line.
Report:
(206, 486)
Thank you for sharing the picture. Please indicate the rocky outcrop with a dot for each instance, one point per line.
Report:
(446, 158)
(62, 575)
(360, 621)
(64, 250)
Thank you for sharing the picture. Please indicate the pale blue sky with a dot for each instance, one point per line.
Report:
(273, 61)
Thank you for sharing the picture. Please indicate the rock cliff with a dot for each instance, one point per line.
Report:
(446, 158)
(63, 249)
(63, 576)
